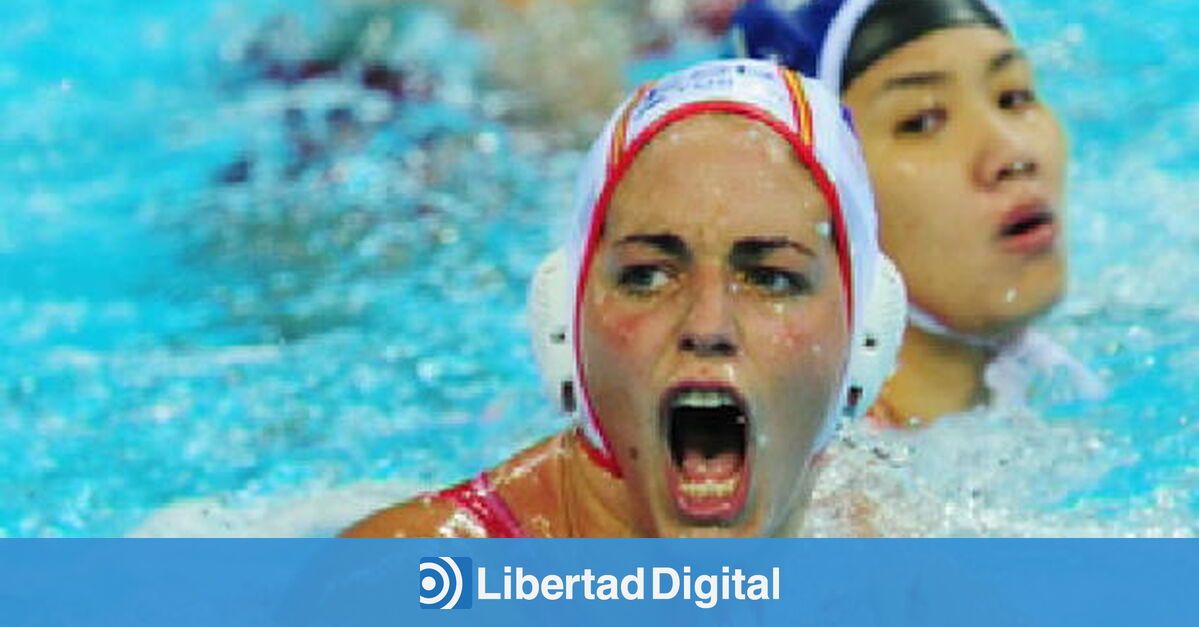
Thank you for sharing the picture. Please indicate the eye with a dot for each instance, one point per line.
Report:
(1016, 99)
(776, 282)
(923, 123)
(643, 280)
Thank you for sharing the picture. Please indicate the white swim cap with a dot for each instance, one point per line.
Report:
(799, 110)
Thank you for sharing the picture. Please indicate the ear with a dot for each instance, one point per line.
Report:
(876, 347)
(549, 319)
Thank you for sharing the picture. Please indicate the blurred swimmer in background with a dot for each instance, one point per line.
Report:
(539, 48)
(968, 167)
(721, 272)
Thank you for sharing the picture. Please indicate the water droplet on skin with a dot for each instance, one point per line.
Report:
(778, 308)
(730, 374)
(777, 154)
(817, 349)
(1010, 296)
(823, 229)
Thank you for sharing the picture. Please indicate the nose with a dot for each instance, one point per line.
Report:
(709, 328)
(1006, 153)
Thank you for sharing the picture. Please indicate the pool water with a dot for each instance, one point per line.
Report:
(235, 303)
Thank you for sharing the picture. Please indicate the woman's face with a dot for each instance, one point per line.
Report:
(713, 329)
(967, 165)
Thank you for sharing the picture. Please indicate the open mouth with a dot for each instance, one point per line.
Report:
(1028, 230)
(707, 430)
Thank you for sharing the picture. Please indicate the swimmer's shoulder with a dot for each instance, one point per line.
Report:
(525, 488)
(531, 486)
(882, 414)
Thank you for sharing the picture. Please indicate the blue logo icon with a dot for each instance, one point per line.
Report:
(446, 583)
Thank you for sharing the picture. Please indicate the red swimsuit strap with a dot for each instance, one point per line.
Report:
(479, 497)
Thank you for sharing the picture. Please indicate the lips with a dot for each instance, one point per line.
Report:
(1028, 229)
(707, 428)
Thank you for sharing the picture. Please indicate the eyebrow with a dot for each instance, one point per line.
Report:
(916, 79)
(667, 243)
(746, 250)
(1005, 59)
(752, 249)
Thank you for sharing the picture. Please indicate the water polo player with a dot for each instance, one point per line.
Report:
(968, 170)
(722, 268)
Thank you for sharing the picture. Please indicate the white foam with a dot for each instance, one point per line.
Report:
(986, 474)
(320, 512)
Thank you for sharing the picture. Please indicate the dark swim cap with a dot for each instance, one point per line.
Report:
(837, 40)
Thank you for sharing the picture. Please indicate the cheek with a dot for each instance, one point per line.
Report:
(804, 343)
(914, 193)
(613, 331)
(621, 338)
(621, 330)
(897, 166)
(1055, 151)
(801, 370)
(921, 222)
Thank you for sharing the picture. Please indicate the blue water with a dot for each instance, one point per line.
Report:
(316, 323)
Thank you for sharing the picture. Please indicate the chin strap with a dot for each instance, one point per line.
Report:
(1031, 356)
(1019, 361)
(928, 323)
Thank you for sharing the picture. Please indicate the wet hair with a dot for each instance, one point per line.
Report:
(889, 24)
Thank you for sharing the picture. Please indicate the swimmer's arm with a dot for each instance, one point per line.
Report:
(419, 518)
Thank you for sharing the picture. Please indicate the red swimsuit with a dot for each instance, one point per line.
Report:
(488, 508)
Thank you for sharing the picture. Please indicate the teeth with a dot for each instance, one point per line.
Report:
(704, 399)
(709, 489)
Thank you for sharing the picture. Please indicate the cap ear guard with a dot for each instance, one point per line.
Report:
(870, 362)
(872, 358)
(549, 317)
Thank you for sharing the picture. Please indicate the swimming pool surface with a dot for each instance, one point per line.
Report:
(237, 305)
